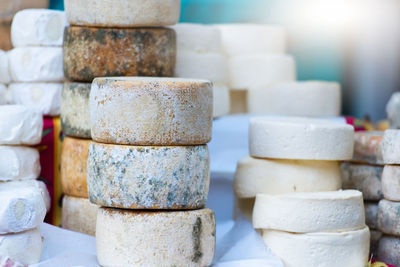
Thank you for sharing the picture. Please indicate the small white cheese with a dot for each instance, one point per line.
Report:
(19, 163)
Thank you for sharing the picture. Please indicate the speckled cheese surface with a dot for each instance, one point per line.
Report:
(75, 115)
(310, 212)
(274, 177)
(79, 215)
(97, 52)
(133, 13)
(143, 177)
(300, 138)
(151, 111)
(371, 214)
(4, 71)
(389, 217)
(391, 182)
(367, 147)
(73, 171)
(180, 238)
(221, 101)
(388, 250)
(347, 249)
(391, 147)
(19, 163)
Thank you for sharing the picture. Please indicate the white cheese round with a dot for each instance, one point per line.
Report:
(388, 250)
(391, 147)
(389, 217)
(4, 70)
(221, 101)
(391, 182)
(19, 163)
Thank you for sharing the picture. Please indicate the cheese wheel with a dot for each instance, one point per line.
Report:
(347, 249)
(75, 115)
(300, 138)
(221, 101)
(391, 182)
(208, 66)
(374, 243)
(140, 177)
(25, 247)
(391, 147)
(4, 70)
(79, 215)
(261, 176)
(389, 217)
(238, 101)
(365, 178)
(122, 13)
(45, 98)
(96, 52)
(367, 147)
(20, 126)
(244, 39)
(388, 250)
(310, 99)
(38, 27)
(199, 38)
(73, 172)
(259, 70)
(371, 214)
(151, 111)
(393, 110)
(130, 238)
(5, 34)
(19, 163)
(244, 206)
(310, 212)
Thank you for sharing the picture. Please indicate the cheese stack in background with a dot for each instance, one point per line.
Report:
(200, 56)
(24, 200)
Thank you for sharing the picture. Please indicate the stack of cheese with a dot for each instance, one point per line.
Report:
(199, 55)
(149, 169)
(24, 201)
(364, 173)
(35, 64)
(294, 173)
(4, 78)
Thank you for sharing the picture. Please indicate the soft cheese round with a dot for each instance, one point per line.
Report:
(166, 238)
(367, 147)
(144, 177)
(19, 163)
(391, 182)
(4, 70)
(151, 111)
(300, 138)
(350, 249)
(73, 171)
(391, 147)
(310, 212)
(122, 13)
(79, 215)
(221, 101)
(198, 38)
(20, 126)
(371, 214)
(388, 250)
(38, 27)
(42, 97)
(389, 217)
(96, 52)
(262, 176)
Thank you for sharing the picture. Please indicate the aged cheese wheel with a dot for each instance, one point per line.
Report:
(365, 178)
(238, 101)
(391, 182)
(96, 52)
(166, 238)
(143, 177)
(388, 250)
(4, 70)
(198, 38)
(122, 13)
(262, 176)
(73, 172)
(79, 215)
(19, 163)
(320, 249)
(310, 212)
(151, 111)
(221, 101)
(391, 147)
(367, 147)
(371, 214)
(374, 244)
(300, 138)
(389, 217)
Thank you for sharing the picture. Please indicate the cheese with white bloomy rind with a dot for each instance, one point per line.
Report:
(166, 238)
(25, 247)
(144, 177)
(300, 138)
(151, 111)
(389, 217)
(391, 182)
(367, 147)
(388, 250)
(20, 125)
(4, 71)
(38, 27)
(19, 163)
(221, 101)
(371, 214)
(79, 215)
(36, 64)
(310, 212)
(328, 249)
(267, 176)
(391, 147)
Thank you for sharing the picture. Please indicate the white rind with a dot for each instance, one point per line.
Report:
(391, 147)
(38, 185)
(222, 102)
(79, 215)
(4, 70)
(391, 182)
(19, 163)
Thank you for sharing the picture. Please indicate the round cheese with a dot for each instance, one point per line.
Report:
(36, 64)
(310, 99)
(122, 13)
(25, 247)
(310, 212)
(259, 70)
(180, 238)
(199, 38)
(75, 115)
(38, 27)
(391, 182)
(238, 101)
(79, 215)
(151, 111)
(261, 176)
(367, 147)
(19, 163)
(371, 214)
(388, 250)
(221, 101)
(73, 171)
(20, 126)
(4, 71)
(389, 217)
(300, 138)
(42, 97)
(96, 52)
(320, 249)
(391, 147)
(143, 177)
